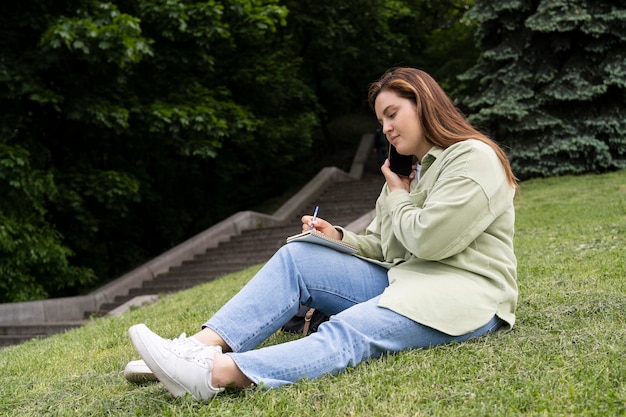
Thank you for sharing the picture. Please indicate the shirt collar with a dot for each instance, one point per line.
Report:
(430, 157)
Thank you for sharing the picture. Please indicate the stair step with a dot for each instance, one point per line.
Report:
(234, 257)
(13, 334)
(254, 244)
(36, 329)
(166, 287)
(14, 340)
(201, 269)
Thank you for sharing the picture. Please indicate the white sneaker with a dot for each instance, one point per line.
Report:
(138, 372)
(183, 365)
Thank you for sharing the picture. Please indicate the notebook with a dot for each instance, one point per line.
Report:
(320, 238)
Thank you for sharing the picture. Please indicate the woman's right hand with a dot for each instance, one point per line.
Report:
(320, 225)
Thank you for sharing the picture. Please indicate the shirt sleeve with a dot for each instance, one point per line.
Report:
(369, 243)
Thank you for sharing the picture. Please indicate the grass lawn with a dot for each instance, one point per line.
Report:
(565, 357)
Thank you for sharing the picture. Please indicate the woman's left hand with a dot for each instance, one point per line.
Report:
(395, 181)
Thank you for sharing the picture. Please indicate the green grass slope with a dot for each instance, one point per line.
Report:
(565, 356)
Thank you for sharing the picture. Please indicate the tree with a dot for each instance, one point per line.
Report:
(552, 76)
(123, 109)
(346, 45)
(30, 249)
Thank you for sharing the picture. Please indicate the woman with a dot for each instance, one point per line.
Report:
(435, 266)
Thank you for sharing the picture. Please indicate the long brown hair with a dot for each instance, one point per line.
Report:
(442, 122)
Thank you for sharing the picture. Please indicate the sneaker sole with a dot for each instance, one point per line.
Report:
(176, 389)
(139, 375)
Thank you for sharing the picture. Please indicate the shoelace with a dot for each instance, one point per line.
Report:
(190, 349)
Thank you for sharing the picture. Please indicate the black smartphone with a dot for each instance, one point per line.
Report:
(400, 164)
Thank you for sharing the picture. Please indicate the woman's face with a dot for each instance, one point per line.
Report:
(398, 117)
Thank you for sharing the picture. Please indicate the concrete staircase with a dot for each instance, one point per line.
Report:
(244, 240)
(340, 204)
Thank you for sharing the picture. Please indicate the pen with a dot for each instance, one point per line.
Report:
(317, 208)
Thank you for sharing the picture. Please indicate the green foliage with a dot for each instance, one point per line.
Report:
(99, 27)
(125, 106)
(30, 249)
(28, 253)
(552, 78)
(346, 45)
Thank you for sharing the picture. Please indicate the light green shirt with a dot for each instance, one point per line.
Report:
(448, 243)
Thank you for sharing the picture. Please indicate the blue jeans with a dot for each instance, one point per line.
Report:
(343, 286)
